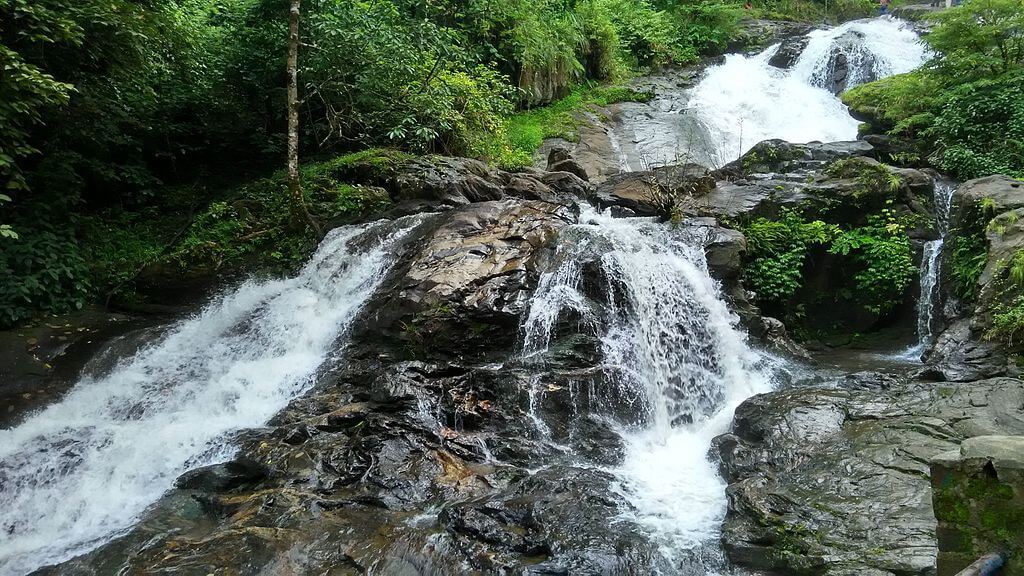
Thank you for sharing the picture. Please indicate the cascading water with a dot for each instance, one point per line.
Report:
(82, 471)
(931, 269)
(745, 100)
(674, 352)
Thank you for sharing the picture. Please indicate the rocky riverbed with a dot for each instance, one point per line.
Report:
(486, 407)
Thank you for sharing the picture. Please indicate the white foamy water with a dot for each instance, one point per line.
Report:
(930, 299)
(676, 355)
(745, 100)
(84, 469)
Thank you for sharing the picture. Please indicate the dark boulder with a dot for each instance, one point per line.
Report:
(834, 480)
(223, 477)
(789, 52)
(561, 160)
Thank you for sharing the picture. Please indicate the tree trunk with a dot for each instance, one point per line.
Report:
(300, 212)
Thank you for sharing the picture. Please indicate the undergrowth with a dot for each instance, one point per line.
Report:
(513, 145)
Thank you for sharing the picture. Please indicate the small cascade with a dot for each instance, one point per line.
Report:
(928, 303)
(623, 158)
(84, 469)
(672, 350)
(746, 100)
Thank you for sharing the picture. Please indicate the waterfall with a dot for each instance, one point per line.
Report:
(84, 469)
(928, 303)
(745, 100)
(673, 349)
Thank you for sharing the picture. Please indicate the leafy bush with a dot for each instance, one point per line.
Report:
(970, 249)
(965, 109)
(777, 250)
(886, 266)
(879, 254)
(980, 130)
(41, 270)
(513, 143)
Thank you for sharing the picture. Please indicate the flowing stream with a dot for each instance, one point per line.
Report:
(674, 354)
(667, 336)
(746, 100)
(670, 346)
(929, 301)
(83, 470)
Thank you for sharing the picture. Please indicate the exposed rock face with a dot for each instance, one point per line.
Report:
(561, 160)
(789, 52)
(849, 64)
(755, 34)
(458, 181)
(652, 193)
(978, 495)
(962, 352)
(1003, 192)
(468, 281)
(834, 480)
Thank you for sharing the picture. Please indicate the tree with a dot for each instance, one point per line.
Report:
(979, 38)
(298, 202)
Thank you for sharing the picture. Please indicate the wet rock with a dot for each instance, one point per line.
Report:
(978, 495)
(1002, 193)
(468, 281)
(834, 480)
(789, 52)
(779, 156)
(848, 56)
(561, 160)
(753, 33)
(960, 355)
(222, 477)
(655, 192)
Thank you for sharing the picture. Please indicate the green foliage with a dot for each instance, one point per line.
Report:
(777, 250)
(106, 106)
(982, 38)
(879, 254)
(1008, 309)
(981, 128)
(871, 177)
(966, 108)
(886, 266)
(970, 249)
(253, 229)
(41, 271)
(513, 145)
(814, 10)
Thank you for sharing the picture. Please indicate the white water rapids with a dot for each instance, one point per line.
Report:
(674, 352)
(671, 342)
(84, 469)
(746, 100)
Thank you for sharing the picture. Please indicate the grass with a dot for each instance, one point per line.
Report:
(513, 146)
(248, 228)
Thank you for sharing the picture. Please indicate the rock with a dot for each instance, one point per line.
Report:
(835, 480)
(449, 180)
(467, 282)
(561, 160)
(222, 477)
(784, 157)
(978, 496)
(1001, 192)
(847, 48)
(789, 52)
(752, 33)
(654, 192)
(960, 355)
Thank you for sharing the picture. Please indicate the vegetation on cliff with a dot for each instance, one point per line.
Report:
(114, 112)
(964, 111)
